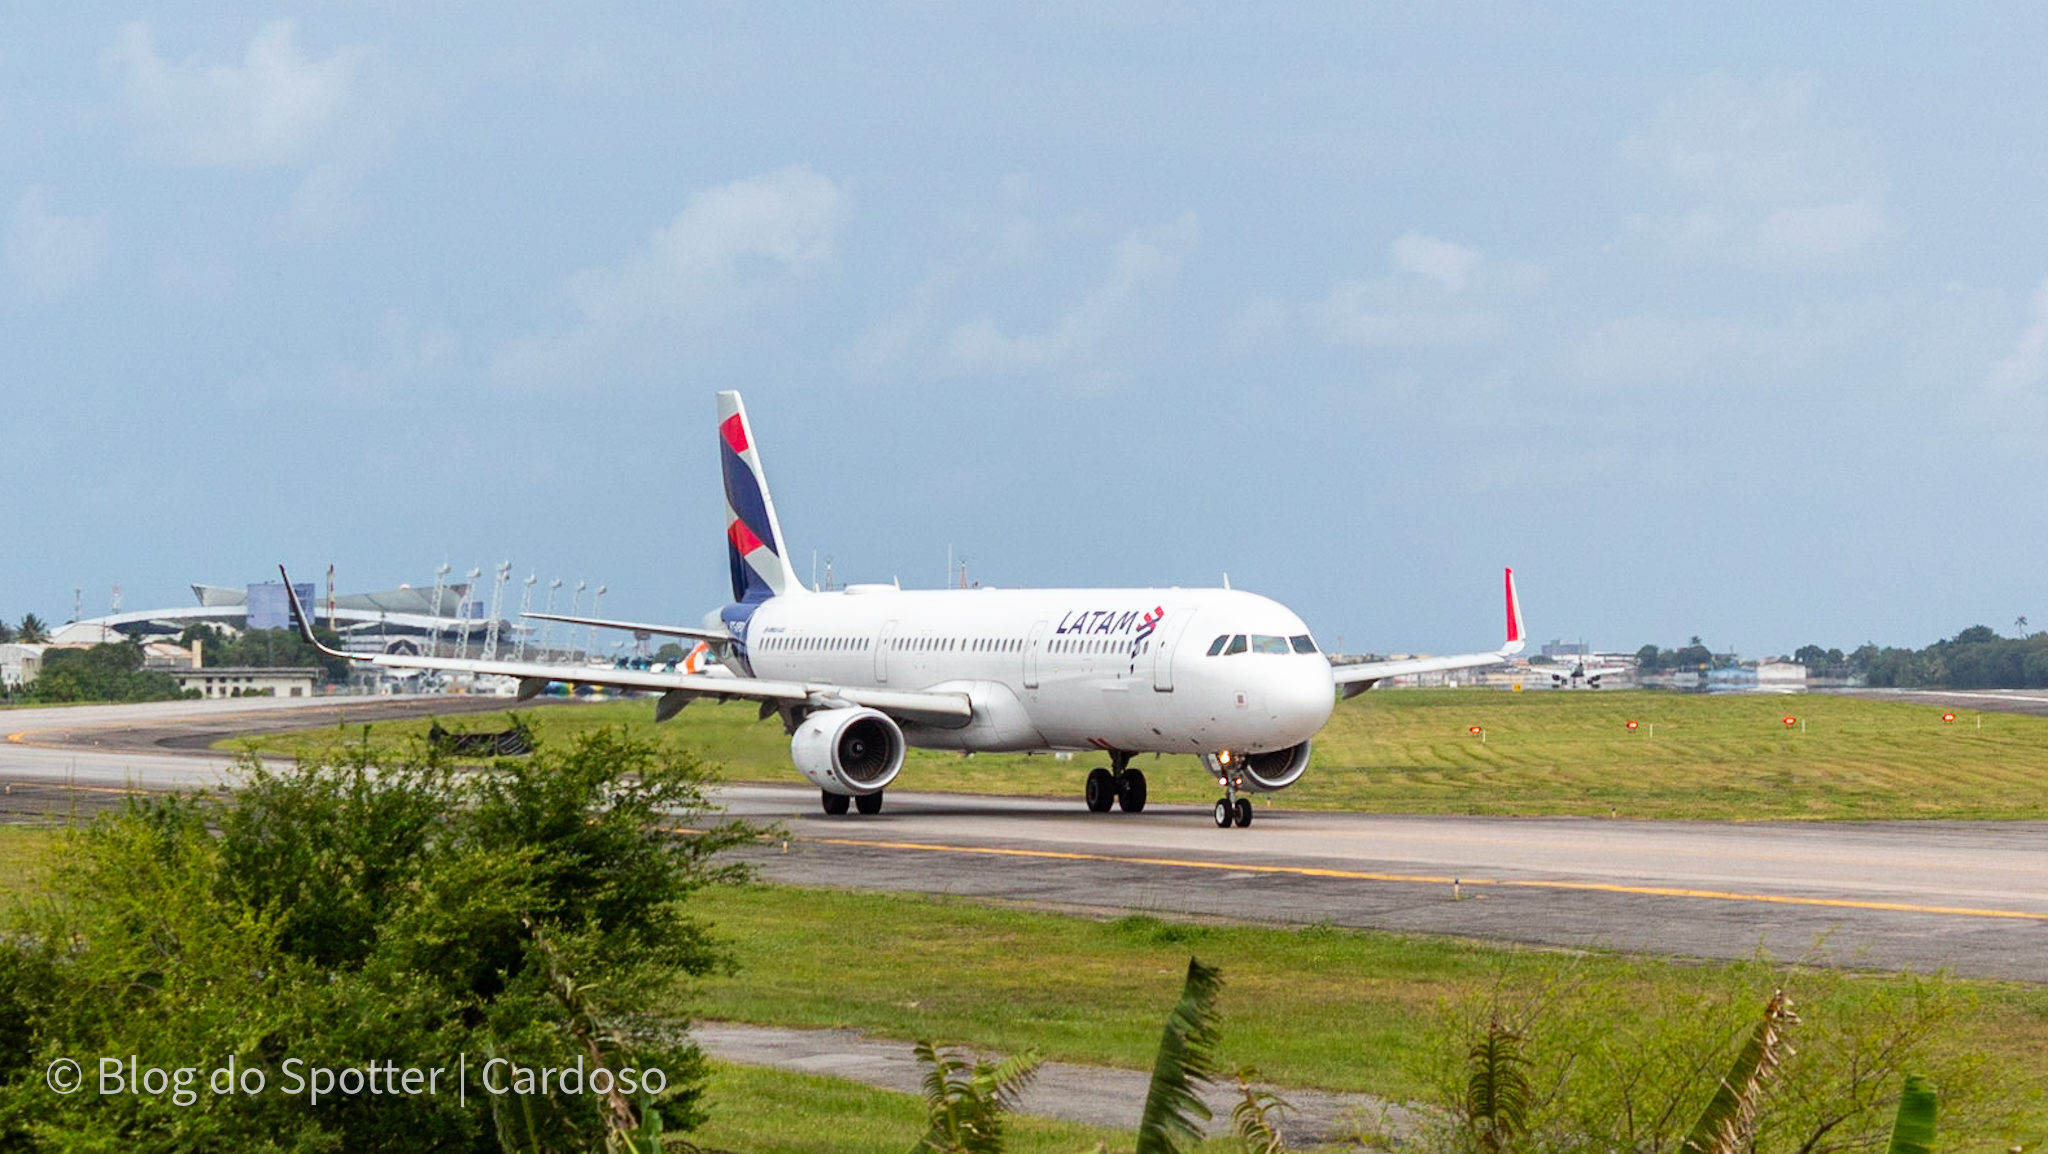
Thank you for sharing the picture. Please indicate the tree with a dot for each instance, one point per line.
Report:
(6, 633)
(111, 672)
(351, 911)
(32, 631)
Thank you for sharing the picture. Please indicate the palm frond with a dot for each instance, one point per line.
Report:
(1913, 1129)
(1256, 1116)
(1174, 1112)
(1497, 1093)
(965, 1102)
(1725, 1125)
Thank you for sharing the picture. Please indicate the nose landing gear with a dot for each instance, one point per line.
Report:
(1231, 809)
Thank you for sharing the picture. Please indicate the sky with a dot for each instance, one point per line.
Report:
(1729, 322)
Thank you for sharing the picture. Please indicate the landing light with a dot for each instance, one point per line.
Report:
(1948, 717)
(1631, 724)
(1790, 722)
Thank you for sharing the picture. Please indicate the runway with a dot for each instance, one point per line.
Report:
(1970, 897)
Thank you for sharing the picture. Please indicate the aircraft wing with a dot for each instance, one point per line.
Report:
(1356, 679)
(948, 710)
(696, 632)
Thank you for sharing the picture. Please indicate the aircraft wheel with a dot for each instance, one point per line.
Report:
(835, 803)
(1100, 790)
(1243, 812)
(870, 804)
(1130, 791)
(1224, 813)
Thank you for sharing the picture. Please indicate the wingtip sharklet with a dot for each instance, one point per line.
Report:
(305, 622)
(1517, 633)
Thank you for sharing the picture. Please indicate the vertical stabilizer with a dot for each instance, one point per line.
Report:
(753, 537)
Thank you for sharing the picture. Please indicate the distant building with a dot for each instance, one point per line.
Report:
(249, 681)
(20, 663)
(1781, 676)
(84, 635)
(1567, 649)
(401, 620)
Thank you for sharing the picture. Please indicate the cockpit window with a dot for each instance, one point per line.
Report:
(1236, 645)
(1217, 645)
(1262, 643)
(1303, 643)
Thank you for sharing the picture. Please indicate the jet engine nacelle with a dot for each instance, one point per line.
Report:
(853, 752)
(1263, 772)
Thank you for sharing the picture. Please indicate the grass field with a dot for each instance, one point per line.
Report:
(21, 853)
(764, 1111)
(1725, 758)
(1315, 1006)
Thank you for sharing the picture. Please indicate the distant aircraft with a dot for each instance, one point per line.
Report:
(860, 674)
(1580, 674)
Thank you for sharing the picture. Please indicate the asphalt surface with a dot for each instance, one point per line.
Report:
(2028, 701)
(1093, 1095)
(1970, 897)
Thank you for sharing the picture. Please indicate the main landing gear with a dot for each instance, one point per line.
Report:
(1118, 785)
(836, 804)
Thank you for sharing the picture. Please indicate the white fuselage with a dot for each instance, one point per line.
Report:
(1062, 669)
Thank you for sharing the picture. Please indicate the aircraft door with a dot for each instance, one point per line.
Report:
(1031, 648)
(1163, 645)
(882, 642)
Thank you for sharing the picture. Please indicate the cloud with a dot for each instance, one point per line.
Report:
(1752, 176)
(1439, 260)
(51, 256)
(1441, 301)
(405, 363)
(1262, 322)
(1650, 350)
(1084, 332)
(2027, 364)
(724, 255)
(268, 110)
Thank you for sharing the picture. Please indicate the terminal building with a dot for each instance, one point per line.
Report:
(441, 619)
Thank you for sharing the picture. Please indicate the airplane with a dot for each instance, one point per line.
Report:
(861, 674)
(1579, 674)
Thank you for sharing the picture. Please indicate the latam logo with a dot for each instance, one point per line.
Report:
(1110, 622)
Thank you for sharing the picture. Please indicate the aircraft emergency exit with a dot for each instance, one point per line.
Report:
(861, 674)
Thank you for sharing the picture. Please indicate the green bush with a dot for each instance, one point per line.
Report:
(347, 913)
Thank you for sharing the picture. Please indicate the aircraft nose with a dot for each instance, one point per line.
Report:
(1304, 698)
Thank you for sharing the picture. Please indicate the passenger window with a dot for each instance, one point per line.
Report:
(1262, 643)
(1217, 645)
(1236, 646)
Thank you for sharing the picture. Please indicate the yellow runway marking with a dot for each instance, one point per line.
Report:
(1444, 880)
